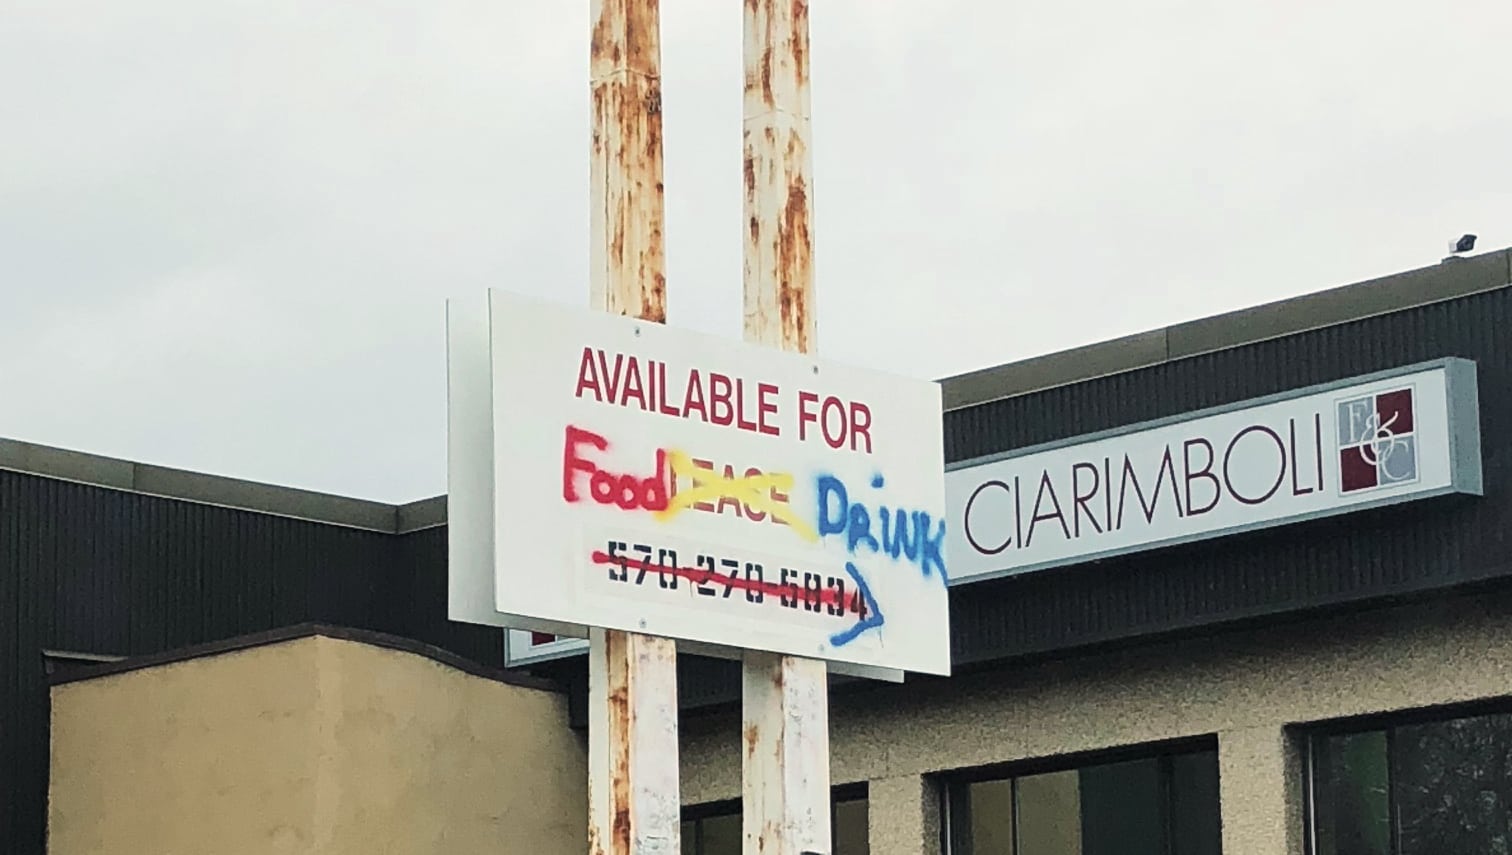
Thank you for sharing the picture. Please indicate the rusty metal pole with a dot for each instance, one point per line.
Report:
(633, 782)
(785, 698)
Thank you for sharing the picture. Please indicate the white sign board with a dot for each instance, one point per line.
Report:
(638, 477)
(1406, 434)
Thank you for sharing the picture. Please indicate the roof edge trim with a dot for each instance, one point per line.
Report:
(295, 633)
(1450, 279)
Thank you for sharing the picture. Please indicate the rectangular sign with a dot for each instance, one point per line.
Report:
(1406, 434)
(721, 493)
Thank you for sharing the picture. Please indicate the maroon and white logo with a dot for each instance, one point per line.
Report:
(1377, 446)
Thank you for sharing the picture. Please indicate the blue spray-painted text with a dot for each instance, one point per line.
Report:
(871, 613)
(905, 534)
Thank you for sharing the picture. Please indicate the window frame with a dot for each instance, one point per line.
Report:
(1310, 736)
(1311, 750)
(953, 786)
(858, 791)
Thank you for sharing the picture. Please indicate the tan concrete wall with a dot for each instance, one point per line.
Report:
(208, 755)
(909, 820)
(1244, 687)
(425, 759)
(313, 746)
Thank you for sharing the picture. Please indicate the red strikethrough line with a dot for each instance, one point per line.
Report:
(827, 596)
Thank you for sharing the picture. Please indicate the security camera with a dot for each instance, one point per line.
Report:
(1464, 244)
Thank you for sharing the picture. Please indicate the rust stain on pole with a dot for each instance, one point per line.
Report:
(779, 206)
(627, 252)
(617, 648)
(785, 770)
(633, 775)
(633, 737)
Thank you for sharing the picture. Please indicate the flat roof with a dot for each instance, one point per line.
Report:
(1448, 280)
(109, 666)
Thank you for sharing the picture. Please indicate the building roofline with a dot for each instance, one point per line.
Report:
(235, 493)
(1451, 279)
(120, 665)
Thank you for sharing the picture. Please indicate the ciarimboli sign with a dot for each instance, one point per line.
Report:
(611, 472)
(1401, 435)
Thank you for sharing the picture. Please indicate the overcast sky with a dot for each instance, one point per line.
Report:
(228, 228)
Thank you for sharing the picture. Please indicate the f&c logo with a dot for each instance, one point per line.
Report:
(1377, 447)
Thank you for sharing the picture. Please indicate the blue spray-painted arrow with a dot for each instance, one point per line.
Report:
(874, 618)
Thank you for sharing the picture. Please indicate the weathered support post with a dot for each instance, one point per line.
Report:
(633, 790)
(785, 698)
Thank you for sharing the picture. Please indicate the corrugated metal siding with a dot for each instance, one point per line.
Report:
(1403, 550)
(101, 571)
(10, 668)
(422, 589)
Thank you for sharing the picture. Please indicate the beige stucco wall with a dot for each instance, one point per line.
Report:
(215, 754)
(315, 745)
(1245, 687)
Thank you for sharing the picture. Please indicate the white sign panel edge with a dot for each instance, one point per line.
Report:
(469, 478)
(1457, 412)
(469, 469)
(519, 651)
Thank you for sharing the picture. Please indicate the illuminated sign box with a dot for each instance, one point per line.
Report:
(606, 471)
(1396, 436)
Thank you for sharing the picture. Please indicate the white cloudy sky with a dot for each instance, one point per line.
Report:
(227, 228)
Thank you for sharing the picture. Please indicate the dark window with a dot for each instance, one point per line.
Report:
(715, 829)
(848, 820)
(1156, 804)
(715, 834)
(1412, 788)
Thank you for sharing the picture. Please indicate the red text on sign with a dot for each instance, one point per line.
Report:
(627, 491)
(654, 492)
(839, 422)
(709, 396)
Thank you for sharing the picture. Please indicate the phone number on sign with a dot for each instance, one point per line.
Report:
(720, 577)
